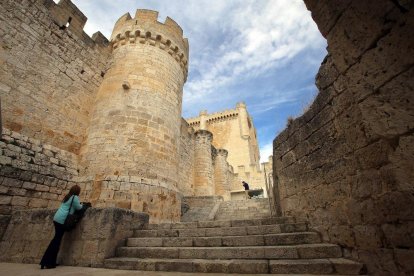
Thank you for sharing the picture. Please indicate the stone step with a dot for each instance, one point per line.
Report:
(223, 231)
(303, 251)
(222, 223)
(314, 266)
(252, 240)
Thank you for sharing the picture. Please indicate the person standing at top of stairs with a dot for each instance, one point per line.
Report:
(246, 189)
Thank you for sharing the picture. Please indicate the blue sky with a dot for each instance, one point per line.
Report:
(263, 52)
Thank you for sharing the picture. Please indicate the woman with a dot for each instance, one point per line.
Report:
(72, 198)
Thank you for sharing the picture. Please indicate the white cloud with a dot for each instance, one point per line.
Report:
(265, 152)
(265, 34)
(231, 42)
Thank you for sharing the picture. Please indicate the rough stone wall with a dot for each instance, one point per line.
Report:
(186, 162)
(138, 194)
(34, 175)
(346, 164)
(48, 74)
(95, 238)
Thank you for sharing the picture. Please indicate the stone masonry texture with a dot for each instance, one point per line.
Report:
(135, 131)
(346, 165)
(105, 115)
(37, 54)
(95, 237)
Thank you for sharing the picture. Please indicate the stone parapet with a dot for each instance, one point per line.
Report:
(138, 194)
(95, 237)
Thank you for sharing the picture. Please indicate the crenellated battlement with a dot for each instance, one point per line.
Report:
(227, 114)
(145, 28)
(68, 17)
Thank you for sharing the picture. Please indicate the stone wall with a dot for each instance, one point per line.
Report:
(186, 161)
(138, 194)
(346, 164)
(95, 238)
(49, 74)
(34, 175)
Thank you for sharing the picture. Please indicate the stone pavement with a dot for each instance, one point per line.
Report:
(34, 270)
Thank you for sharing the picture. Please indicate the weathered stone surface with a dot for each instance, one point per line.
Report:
(349, 171)
(344, 266)
(95, 237)
(318, 266)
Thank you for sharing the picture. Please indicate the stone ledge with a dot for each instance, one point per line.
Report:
(95, 238)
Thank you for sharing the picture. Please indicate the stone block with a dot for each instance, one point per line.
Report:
(144, 242)
(173, 265)
(319, 266)
(243, 241)
(291, 238)
(198, 232)
(5, 199)
(184, 225)
(231, 231)
(5, 160)
(19, 200)
(42, 188)
(11, 182)
(207, 241)
(399, 235)
(38, 203)
(347, 267)
(368, 236)
(145, 233)
(280, 252)
(177, 242)
(317, 251)
(405, 259)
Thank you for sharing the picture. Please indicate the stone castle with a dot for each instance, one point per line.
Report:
(234, 131)
(106, 115)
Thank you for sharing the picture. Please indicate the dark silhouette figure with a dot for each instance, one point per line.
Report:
(245, 185)
(69, 205)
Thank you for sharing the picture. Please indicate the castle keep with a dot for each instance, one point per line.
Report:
(234, 131)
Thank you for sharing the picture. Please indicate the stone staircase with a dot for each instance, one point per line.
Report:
(278, 245)
(243, 209)
(201, 208)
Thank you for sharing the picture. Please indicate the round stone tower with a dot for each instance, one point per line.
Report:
(203, 164)
(135, 124)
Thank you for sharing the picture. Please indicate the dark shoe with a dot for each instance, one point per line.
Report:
(47, 267)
